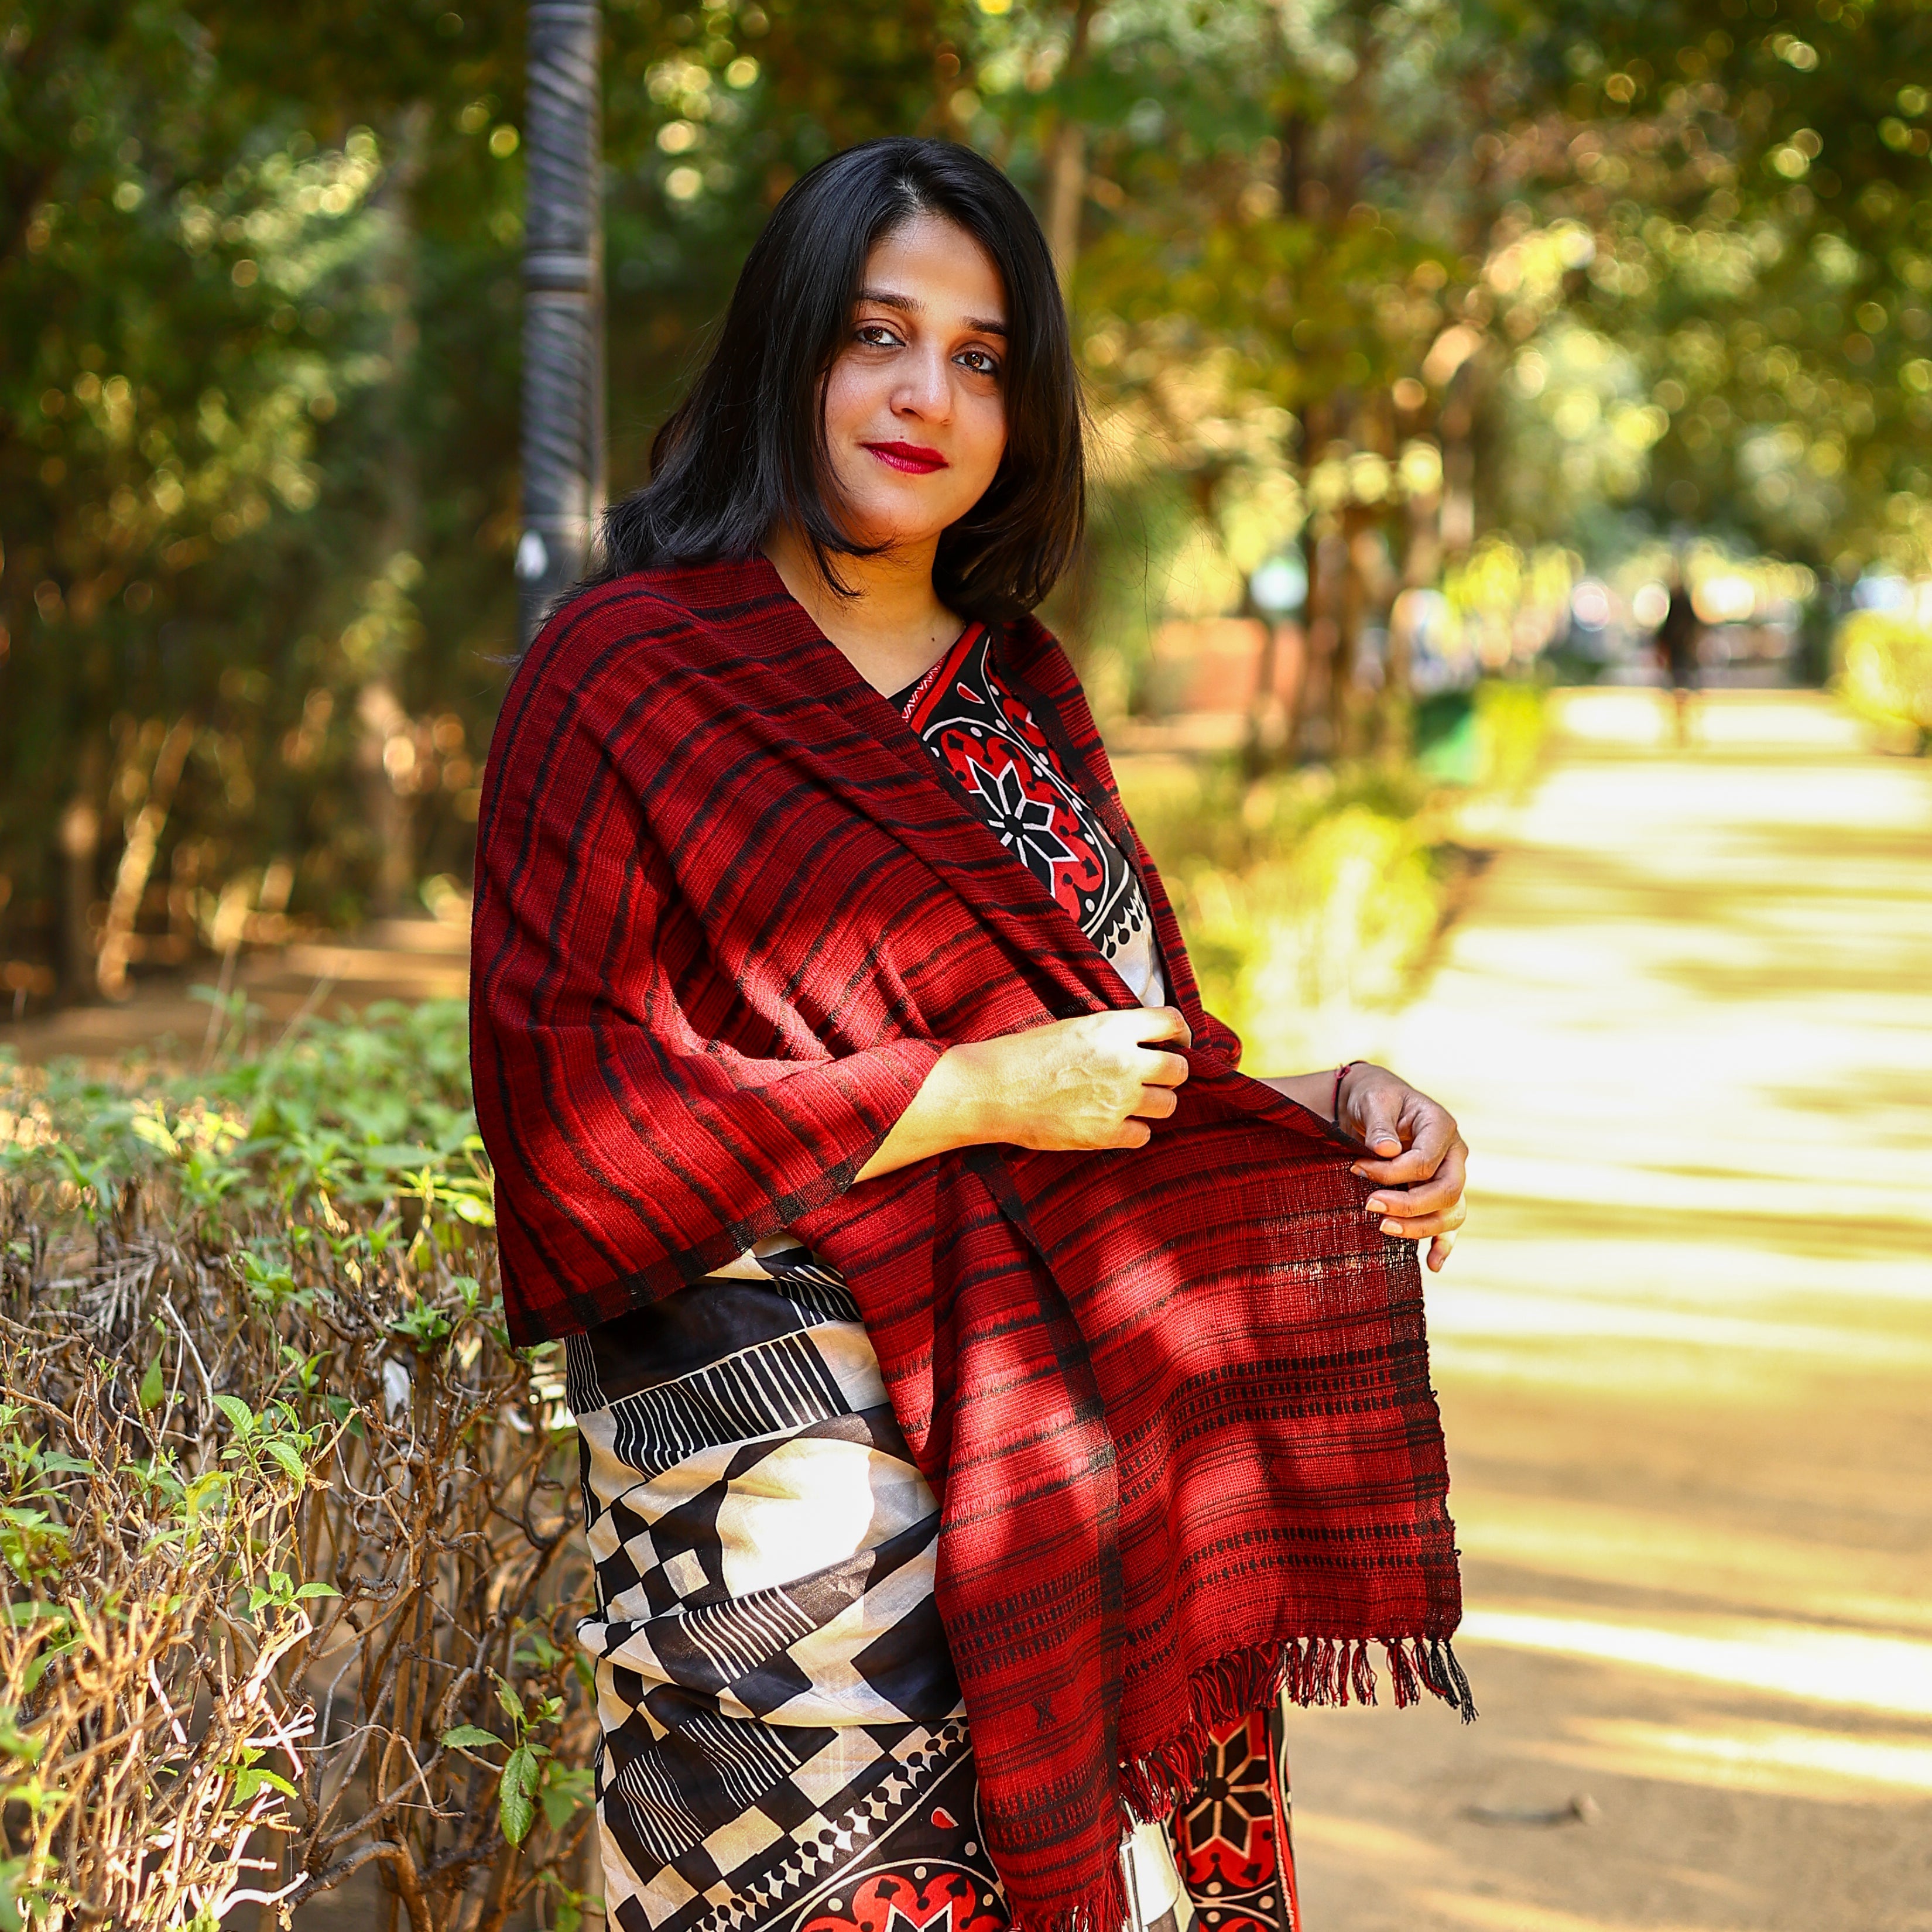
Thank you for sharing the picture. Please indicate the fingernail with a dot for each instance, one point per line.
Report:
(1357, 1172)
(1375, 1204)
(1391, 1227)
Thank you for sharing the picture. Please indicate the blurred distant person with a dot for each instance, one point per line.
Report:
(1677, 637)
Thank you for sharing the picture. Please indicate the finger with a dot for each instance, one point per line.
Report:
(1420, 1163)
(1379, 1129)
(1430, 1137)
(1162, 1070)
(1420, 1229)
(1403, 1166)
(1443, 1186)
(1156, 1103)
(1428, 1197)
(1132, 1133)
(1439, 1251)
(1414, 1227)
(1152, 1023)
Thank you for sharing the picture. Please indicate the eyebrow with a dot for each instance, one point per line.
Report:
(912, 305)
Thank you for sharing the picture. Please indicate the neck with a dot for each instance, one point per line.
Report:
(892, 628)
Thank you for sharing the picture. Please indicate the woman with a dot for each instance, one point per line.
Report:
(855, 1118)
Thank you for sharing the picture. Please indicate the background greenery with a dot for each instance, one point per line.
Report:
(1403, 286)
(288, 1559)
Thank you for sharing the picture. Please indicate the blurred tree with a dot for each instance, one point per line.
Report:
(1751, 181)
(1361, 279)
(224, 227)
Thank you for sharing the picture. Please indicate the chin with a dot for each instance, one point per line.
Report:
(899, 524)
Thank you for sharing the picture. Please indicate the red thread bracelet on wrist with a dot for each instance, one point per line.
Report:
(1341, 1073)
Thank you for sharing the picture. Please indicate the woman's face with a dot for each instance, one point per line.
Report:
(915, 413)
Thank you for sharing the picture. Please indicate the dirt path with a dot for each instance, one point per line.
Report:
(1685, 1359)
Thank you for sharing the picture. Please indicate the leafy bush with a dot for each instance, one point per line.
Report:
(1886, 673)
(1511, 721)
(1309, 898)
(1290, 947)
(288, 1559)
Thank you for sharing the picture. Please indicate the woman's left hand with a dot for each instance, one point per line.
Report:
(1417, 1156)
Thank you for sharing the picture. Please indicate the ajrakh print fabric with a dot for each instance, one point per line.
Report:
(773, 1685)
(1176, 1401)
(1230, 1838)
(991, 743)
(783, 1745)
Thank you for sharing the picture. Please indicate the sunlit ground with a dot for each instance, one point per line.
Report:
(1685, 1356)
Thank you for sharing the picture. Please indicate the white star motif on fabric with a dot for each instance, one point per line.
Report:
(1026, 824)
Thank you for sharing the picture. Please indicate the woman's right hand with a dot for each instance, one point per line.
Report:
(1094, 1082)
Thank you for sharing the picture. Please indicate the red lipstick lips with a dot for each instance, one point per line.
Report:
(912, 457)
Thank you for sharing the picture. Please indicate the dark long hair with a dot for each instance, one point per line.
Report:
(745, 450)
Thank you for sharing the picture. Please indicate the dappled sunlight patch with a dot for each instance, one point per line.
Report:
(1805, 1662)
(1624, 1548)
(1773, 1760)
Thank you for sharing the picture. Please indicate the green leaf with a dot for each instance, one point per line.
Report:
(320, 1590)
(252, 1779)
(155, 1133)
(152, 1387)
(12, 1918)
(16, 1742)
(287, 1454)
(239, 1414)
(469, 1737)
(565, 1793)
(515, 1802)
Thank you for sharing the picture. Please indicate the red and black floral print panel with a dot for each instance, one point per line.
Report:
(987, 740)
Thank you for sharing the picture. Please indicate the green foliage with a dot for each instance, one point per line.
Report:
(261, 1411)
(1885, 670)
(1345, 275)
(1309, 899)
(1511, 722)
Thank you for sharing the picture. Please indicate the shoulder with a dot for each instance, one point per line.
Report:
(641, 638)
(646, 614)
(1037, 657)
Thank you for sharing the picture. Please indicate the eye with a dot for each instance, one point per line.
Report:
(877, 335)
(978, 362)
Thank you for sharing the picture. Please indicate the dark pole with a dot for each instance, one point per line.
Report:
(563, 305)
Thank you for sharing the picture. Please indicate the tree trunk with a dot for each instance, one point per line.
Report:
(563, 305)
(1456, 526)
(80, 836)
(1351, 609)
(379, 708)
(1066, 189)
(137, 861)
(1421, 563)
(383, 719)
(1322, 547)
(1066, 157)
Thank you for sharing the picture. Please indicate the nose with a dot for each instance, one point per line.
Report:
(925, 388)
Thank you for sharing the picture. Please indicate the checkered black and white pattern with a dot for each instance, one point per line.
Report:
(772, 1681)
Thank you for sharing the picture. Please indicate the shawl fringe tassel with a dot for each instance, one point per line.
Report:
(1312, 1670)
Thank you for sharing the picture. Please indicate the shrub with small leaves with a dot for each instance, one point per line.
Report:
(288, 1553)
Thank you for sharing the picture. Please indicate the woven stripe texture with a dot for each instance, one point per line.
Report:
(1174, 1402)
